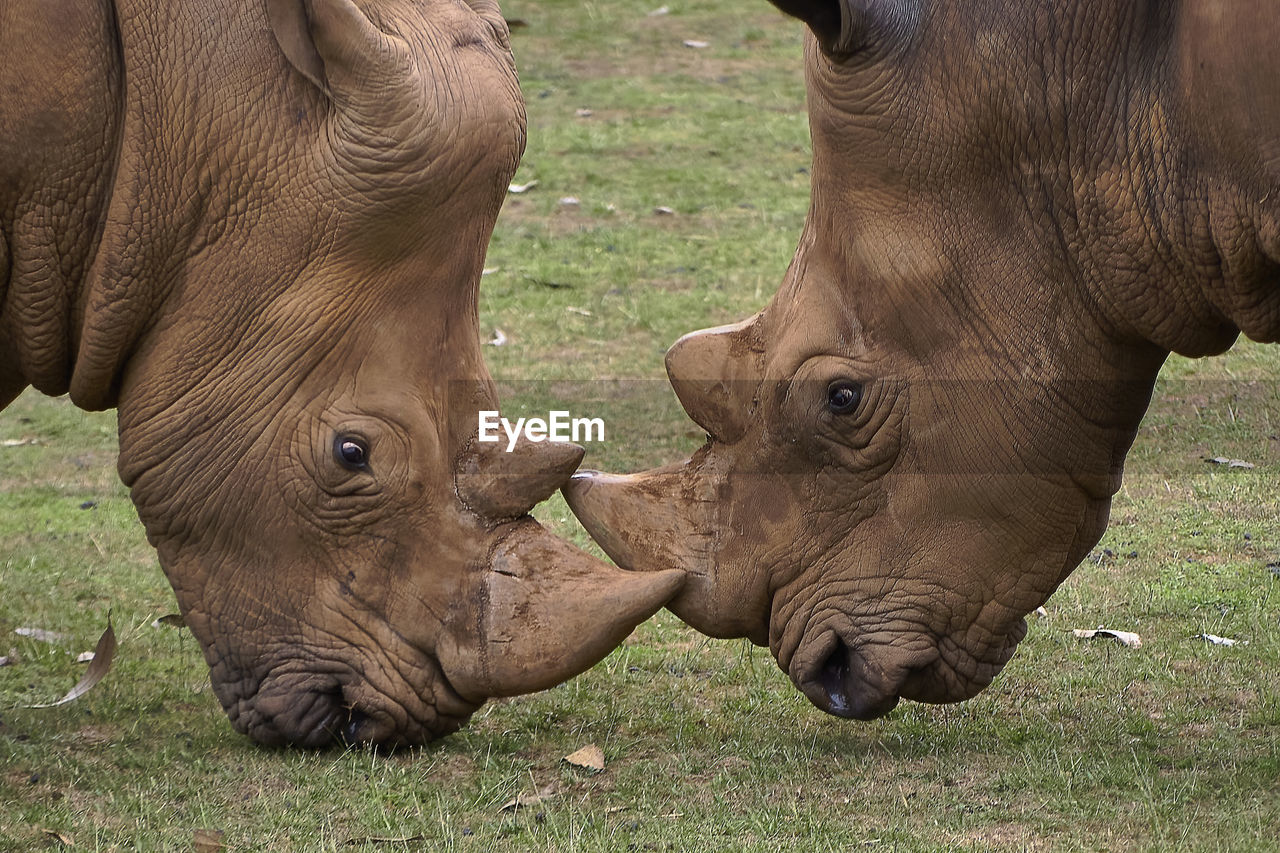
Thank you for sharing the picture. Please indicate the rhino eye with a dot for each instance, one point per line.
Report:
(843, 396)
(351, 452)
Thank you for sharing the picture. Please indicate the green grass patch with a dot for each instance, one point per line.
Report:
(1076, 746)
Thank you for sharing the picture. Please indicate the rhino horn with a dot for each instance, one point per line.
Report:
(645, 522)
(711, 372)
(548, 611)
(498, 483)
(669, 518)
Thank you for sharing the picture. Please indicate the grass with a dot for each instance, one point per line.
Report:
(1077, 746)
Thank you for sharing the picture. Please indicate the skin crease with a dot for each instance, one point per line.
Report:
(264, 248)
(1016, 214)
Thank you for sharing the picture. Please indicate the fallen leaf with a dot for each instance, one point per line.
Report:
(5, 660)
(695, 44)
(584, 113)
(84, 657)
(19, 442)
(490, 270)
(407, 839)
(517, 189)
(1041, 613)
(60, 837)
(40, 635)
(1230, 463)
(102, 656)
(208, 841)
(663, 211)
(572, 309)
(1215, 640)
(570, 201)
(173, 620)
(1126, 638)
(658, 12)
(499, 338)
(590, 757)
(523, 801)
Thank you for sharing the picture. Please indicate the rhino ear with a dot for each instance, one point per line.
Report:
(292, 30)
(846, 26)
(824, 17)
(334, 45)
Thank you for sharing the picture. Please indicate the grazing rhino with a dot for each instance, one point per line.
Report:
(1018, 210)
(256, 229)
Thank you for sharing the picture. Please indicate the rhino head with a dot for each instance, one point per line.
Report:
(283, 308)
(1016, 213)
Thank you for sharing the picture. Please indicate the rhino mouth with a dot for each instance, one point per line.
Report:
(292, 708)
(862, 679)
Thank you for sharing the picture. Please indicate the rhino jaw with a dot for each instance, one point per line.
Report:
(547, 612)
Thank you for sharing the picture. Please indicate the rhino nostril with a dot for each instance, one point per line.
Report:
(833, 676)
(355, 722)
(847, 685)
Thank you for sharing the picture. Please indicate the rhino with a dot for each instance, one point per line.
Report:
(256, 230)
(1018, 210)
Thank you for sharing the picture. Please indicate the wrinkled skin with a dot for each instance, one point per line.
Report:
(1017, 212)
(257, 229)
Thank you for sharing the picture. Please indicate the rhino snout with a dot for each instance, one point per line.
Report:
(334, 704)
(307, 718)
(859, 682)
(858, 678)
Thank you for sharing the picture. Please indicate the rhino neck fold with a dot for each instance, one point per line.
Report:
(1207, 164)
(151, 211)
(59, 145)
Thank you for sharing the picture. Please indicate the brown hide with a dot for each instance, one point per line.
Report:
(257, 229)
(1017, 211)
